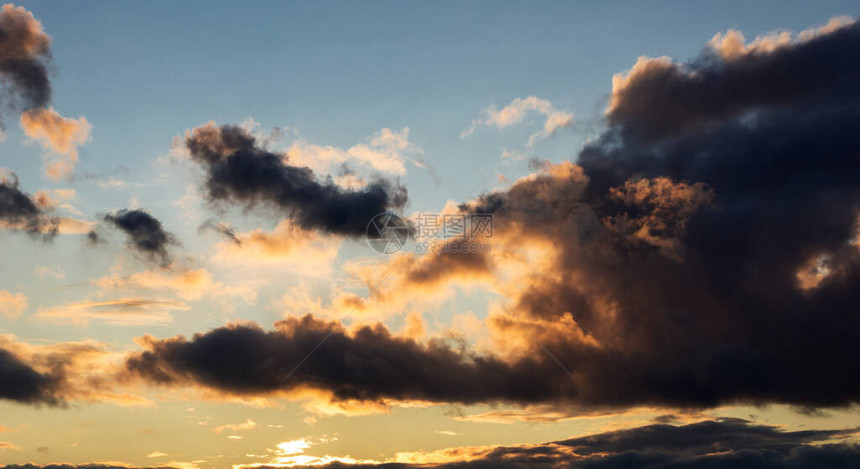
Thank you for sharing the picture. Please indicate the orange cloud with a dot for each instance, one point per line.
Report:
(731, 45)
(123, 311)
(188, 284)
(12, 304)
(86, 370)
(286, 245)
(59, 135)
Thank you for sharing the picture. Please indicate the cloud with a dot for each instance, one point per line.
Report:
(293, 453)
(515, 112)
(221, 228)
(60, 135)
(239, 171)
(44, 271)
(20, 211)
(248, 424)
(409, 279)
(658, 97)
(718, 444)
(32, 214)
(25, 55)
(385, 152)
(368, 365)
(20, 382)
(287, 244)
(145, 233)
(730, 45)
(122, 312)
(55, 373)
(723, 443)
(537, 200)
(5, 445)
(12, 304)
(188, 284)
(541, 414)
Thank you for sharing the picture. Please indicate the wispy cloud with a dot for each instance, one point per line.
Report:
(124, 311)
(516, 112)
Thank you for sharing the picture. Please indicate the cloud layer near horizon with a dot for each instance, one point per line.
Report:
(718, 444)
(726, 443)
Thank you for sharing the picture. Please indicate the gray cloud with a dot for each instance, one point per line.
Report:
(21, 383)
(24, 57)
(239, 171)
(145, 234)
(21, 211)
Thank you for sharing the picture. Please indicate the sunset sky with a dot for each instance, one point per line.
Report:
(672, 277)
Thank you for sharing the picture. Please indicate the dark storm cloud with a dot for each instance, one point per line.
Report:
(370, 364)
(725, 241)
(661, 99)
(24, 57)
(19, 382)
(730, 320)
(145, 233)
(239, 171)
(20, 211)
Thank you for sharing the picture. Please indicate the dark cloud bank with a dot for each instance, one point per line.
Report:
(695, 221)
(369, 365)
(240, 171)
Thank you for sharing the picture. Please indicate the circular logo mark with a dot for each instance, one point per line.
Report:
(387, 233)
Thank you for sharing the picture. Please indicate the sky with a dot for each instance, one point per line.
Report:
(658, 262)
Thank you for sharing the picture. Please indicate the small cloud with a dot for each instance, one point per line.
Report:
(12, 304)
(44, 271)
(515, 113)
(248, 424)
(59, 135)
(5, 445)
(156, 454)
